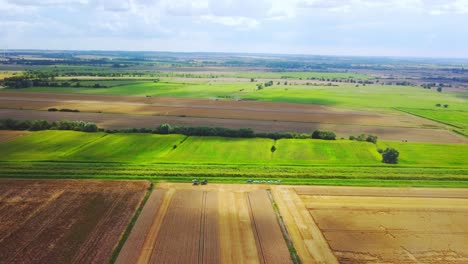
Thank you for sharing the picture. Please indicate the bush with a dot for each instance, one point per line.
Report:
(273, 149)
(323, 134)
(52, 109)
(390, 155)
(364, 137)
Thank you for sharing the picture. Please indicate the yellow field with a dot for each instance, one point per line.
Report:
(6, 74)
(376, 225)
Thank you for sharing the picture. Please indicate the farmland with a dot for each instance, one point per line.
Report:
(209, 224)
(147, 148)
(122, 192)
(415, 225)
(44, 221)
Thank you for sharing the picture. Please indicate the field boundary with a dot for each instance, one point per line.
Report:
(428, 118)
(292, 250)
(130, 226)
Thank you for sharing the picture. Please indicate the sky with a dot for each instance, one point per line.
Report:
(415, 28)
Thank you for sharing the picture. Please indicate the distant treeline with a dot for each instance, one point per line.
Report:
(36, 125)
(28, 81)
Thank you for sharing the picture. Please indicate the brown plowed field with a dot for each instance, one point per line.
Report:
(115, 121)
(212, 224)
(6, 135)
(245, 110)
(64, 221)
(384, 225)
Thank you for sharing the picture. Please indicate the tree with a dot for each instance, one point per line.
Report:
(164, 128)
(252, 80)
(445, 105)
(371, 138)
(273, 148)
(323, 134)
(390, 155)
(259, 86)
(439, 89)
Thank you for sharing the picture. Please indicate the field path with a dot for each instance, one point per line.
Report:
(142, 229)
(308, 240)
(147, 249)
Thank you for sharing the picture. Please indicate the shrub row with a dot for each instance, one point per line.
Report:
(37, 125)
(63, 110)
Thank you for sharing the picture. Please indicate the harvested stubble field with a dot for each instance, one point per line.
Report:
(376, 225)
(65, 221)
(206, 224)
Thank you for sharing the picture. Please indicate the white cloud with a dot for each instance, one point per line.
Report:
(242, 23)
(279, 25)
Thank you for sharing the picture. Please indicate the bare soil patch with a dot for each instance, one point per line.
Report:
(116, 121)
(6, 135)
(245, 110)
(64, 221)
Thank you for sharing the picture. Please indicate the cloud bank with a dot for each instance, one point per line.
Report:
(430, 28)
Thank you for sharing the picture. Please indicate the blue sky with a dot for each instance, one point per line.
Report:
(418, 28)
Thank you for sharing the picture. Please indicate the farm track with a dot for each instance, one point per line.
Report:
(134, 244)
(148, 245)
(308, 240)
(381, 192)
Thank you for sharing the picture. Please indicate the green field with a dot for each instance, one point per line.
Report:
(126, 147)
(148, 148)
(68, 154)
(430, 154)
(457, 119)
(221, 150)
(344, 95)
(294, 151)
